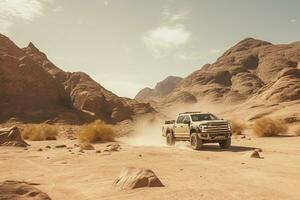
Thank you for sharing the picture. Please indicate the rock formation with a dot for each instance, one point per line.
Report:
(17, 190)
(11, 137)
(252, 69)
(34, 89)
(131, 178)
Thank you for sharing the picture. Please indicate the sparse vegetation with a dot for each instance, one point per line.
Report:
(39, 132)
(237, 127)
(97, 131)
(297, 131)
(267, 127)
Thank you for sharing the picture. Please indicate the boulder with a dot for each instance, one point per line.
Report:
(17, 190)
(254, 154)
(132, 178)
(11, 137)
(112, 147)
(86, 146)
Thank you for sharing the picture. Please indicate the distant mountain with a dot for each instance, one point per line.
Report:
(250, 69)
(33, 89)
(161, 89)
(253, 73)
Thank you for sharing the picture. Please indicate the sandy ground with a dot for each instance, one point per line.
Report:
(187, 174)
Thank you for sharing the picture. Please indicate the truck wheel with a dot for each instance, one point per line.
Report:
(170, 139)
(196, 142)
(225, 144)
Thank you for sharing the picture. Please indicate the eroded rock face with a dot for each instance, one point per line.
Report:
(90, 97)
(132, 178)
(11, 137)
(32, 88)
(15, 190)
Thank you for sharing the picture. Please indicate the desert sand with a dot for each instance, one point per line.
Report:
(211, 173)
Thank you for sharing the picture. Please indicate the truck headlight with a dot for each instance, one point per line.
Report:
(229, 127)
(204, 128)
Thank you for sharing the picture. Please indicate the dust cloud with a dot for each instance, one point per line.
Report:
(147, 131)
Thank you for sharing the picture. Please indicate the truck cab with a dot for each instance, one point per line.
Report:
(198, 128)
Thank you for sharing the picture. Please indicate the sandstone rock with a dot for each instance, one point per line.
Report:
(131, 178)
(16, 190)
(11, 137)
(112, 147)
(60, 146)
(86, 146)
(254, 154)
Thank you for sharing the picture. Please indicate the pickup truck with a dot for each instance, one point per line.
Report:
(198, 128)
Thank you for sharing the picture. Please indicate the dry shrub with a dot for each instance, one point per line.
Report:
(97, 131)
(39, 132)
(237, 127)
(297, 131)
(267, 127)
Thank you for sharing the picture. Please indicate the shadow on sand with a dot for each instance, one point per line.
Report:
(216, 148)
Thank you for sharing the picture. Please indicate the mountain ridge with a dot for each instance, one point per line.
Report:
(250, 69)
(35, 89)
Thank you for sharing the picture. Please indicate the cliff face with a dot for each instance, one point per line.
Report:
(34, 89)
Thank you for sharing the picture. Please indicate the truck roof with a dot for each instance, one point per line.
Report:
(194, 112)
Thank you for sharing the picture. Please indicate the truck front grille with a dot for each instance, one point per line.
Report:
(217, 128)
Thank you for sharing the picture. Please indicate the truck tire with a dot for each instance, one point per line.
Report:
(225, 144)
(196, 142)
(170, 139)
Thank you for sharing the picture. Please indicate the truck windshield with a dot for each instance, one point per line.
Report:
(203, 117)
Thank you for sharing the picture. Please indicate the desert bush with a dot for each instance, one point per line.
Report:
(237, 127)
(267, 127)
(297, 131)
(38, 132)
(97, 131)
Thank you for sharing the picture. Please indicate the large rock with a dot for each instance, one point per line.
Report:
(132, 177)
(11, 137)
(16, 190)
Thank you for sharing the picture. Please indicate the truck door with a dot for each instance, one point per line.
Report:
(178, 126)
(186, 126)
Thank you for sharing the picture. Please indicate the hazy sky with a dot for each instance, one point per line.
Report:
(126, 45)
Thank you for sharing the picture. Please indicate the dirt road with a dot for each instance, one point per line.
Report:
(186, 174)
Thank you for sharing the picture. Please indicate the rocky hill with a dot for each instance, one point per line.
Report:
(162, 89)
(33, 89)
(252, 72)
(251, 68)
